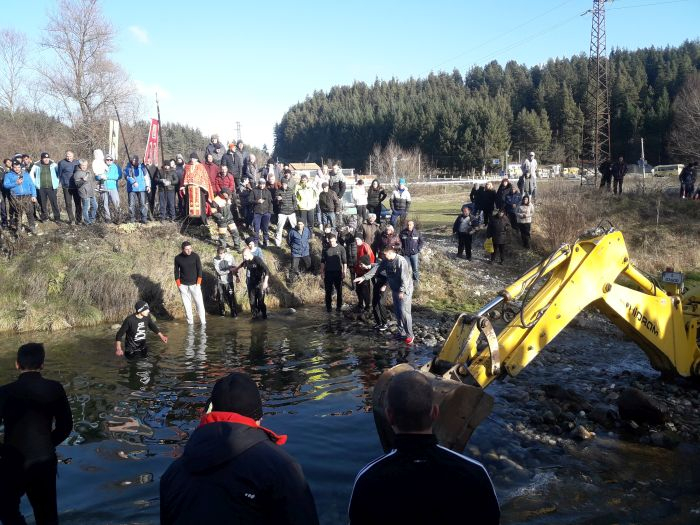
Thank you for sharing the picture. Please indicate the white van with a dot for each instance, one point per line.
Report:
(667, 169)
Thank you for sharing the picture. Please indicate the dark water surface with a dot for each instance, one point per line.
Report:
(133, 418)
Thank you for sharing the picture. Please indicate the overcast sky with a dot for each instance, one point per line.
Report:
(216, 63)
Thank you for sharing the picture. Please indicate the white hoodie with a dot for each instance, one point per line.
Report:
(99, 166)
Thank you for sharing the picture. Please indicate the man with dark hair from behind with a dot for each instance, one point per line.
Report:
(387, 490)
(233, 470)
(37, 418)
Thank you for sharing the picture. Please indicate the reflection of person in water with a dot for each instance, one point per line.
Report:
(134, 327)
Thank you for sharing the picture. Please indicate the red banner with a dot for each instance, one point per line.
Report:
(151, 155)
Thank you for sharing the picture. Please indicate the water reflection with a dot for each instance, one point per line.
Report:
(316, 374)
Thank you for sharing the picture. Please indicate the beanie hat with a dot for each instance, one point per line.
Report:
(238, 393)
(194, 155)
(141, 306)
(45, 155)
(402, 181)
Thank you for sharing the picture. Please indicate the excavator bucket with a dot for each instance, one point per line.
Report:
(462, 408)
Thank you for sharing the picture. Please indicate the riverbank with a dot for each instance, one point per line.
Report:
(77, 277)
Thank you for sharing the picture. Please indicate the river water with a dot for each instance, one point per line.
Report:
(316, 372)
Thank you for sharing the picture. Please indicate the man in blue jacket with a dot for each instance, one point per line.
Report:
(22, 195)
(65, 170)
(298, 240)
(111, 185)
(45, 178)
(137, 187)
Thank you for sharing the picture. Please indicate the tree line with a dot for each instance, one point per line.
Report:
(463, 121)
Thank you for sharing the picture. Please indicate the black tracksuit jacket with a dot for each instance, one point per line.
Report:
(421, 482)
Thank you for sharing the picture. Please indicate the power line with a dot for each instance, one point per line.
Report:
(540, 33)
(647, 5)
(486, 42)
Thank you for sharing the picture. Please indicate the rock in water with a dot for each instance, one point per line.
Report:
(291, 311)
(636, 405)
(581, 433)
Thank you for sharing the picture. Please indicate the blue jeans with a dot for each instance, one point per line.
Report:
(138, 197)
(413, 260)
(107, 197)
(261, 220)
(89, 209)
(395, 215)
(328, 217)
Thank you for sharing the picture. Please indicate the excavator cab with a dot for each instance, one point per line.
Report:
(594, 271)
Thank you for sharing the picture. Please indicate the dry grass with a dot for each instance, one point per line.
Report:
(84, 277)
(660, 230)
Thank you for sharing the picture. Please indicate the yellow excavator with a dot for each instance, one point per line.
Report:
(594, 271)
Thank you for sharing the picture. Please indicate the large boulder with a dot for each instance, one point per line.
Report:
(637, 406)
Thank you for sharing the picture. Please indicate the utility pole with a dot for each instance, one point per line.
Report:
(596, 131)
(238, 131)
(643, 167)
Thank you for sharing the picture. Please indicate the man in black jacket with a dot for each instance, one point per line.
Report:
(260, 199)
(188, 277)
(411, 245)
(37, 418)
(233, 470)
(418, 469)
(618, 170)
(285, 209)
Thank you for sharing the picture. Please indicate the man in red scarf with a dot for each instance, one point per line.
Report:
(233, 469)
(196, 189)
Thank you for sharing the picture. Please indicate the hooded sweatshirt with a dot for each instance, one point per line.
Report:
(99, 166)
(233, 471)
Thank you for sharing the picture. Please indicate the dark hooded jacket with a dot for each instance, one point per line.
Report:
(237, 474)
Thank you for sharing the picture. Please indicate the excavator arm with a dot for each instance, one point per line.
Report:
(593, 271)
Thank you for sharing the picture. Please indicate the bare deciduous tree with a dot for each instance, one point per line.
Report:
(684, 139)
(13, 63)
(394, 162)
(84, 80)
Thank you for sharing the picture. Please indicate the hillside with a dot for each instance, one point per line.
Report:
(67, 277)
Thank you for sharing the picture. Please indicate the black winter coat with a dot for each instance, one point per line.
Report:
(328, 201)
(286, 204)
(260, 207)
(498, 229)
(488, 200)
(501, 194)
(233, 473)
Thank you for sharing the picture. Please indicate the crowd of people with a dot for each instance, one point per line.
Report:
(375, 251)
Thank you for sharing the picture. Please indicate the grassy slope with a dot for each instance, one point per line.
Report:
(82, 277)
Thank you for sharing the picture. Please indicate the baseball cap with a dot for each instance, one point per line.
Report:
(45, 155)
(141, 306)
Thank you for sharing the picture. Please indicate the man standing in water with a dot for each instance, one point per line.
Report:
(37, 418)
(134, 327)
(188, 277)
(258, 277)
(400, 279)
